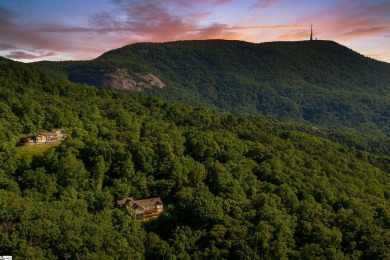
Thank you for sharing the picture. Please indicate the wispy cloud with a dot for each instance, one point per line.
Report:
(294, 35)
(267, 27)
(191, 2)
(153, 21)
(103, 19)
(15, 36)
(359, 24)
(260, 4)
(177, 3)
(368, 31)
(355, 18)
(5, 46)
(22, 55)
(215, 31)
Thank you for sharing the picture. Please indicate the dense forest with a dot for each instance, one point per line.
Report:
(233, 187)
(320, 82)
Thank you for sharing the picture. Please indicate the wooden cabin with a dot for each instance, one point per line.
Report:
(144, 209)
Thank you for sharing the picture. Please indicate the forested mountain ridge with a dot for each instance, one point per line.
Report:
(321, 82)
(233, 187)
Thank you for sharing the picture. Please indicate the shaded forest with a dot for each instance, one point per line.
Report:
(233, 187)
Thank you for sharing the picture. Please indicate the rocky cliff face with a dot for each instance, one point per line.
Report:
(121, 79)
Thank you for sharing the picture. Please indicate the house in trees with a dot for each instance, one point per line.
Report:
(142, 209)
(53, 136)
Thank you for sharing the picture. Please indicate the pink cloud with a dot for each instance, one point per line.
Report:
(28, 56)
(262, 4)
(363, 32)
(347, 10)
(355, 20)
(215, 31)
(152, 21)
(295, 35)
(267, 27)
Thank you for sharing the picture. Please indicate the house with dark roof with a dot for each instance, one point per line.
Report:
(144, 209)
(125, 202)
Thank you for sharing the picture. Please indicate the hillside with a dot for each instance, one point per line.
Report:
(320, 82)
(233, 187)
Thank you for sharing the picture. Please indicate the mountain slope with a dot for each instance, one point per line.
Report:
(232, 187)
(317, 81)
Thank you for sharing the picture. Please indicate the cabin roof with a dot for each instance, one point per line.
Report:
(124, 200)
(148, 202)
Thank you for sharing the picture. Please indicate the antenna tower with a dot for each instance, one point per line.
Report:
(311, 32)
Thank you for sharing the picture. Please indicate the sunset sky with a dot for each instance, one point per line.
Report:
(32, 30)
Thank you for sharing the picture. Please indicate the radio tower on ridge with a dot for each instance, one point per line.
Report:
(311, 32)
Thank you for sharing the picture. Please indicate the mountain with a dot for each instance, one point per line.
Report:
(232, 187)
(320, 82)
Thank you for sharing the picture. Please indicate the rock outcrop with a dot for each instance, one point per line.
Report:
(123, 80)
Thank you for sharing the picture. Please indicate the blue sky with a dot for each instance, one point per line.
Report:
(84, 29)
